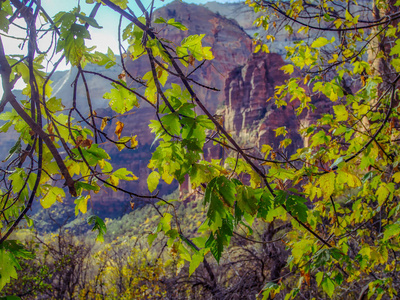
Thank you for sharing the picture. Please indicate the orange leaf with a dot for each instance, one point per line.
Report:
(307, 278)
(78, 141)
(51, 132)
(122, 75)
(87, 143)
(191, 60)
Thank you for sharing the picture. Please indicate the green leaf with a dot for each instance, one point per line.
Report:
(264, 204)
(29, 221)
(10, 115)
(10, 298)
(320, 138)
(246, 199)
(121, 99)
(319, 276)
(165, 223)
(52, 195)
(396, 48)
(121, 3)
(338, 163)
(285, 143)
(216, 246)
(391, 231)
(6, 6)
(204, 121)
(216, 210)
(8, 267)
(270, 290)
(160, 20)
(197, 259)
(54, 104)
(85, 186)
(171, 22)
(98, 224)
(14, 149)
(151, 237)
(295, 204)
(176, 24)
(153, 180)
(171, 123)
(5, 127)
(124, 174)
(328, 286)
(93, 155)
(226, 189)
(18, 178)
(194, 45)
(91, 21)
(102, 59)
(122, 142)
(4, 23)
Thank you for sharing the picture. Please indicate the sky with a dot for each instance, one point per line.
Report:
(102, 38)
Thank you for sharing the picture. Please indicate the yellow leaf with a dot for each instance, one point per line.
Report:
(266, 149)
(118, 128)
(103, 123)
(384, 192)
(307, 78)
(114, 180)
(281, 131)
(52, 195)
(334, 58)
(167, 177)
(122, 142)
(396, 177)
(327, 184)
(265, 48)
(82, 204)
(134, 142)
(341, 113)
(288, 69)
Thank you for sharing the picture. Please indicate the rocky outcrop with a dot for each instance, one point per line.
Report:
(249, 113)
(230, 44)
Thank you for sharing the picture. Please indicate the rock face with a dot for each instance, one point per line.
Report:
(230, 44)
(249, 113)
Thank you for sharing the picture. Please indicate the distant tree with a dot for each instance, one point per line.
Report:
(336, 199)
